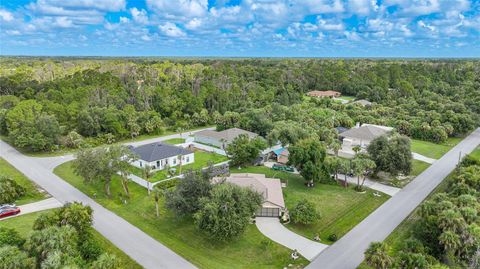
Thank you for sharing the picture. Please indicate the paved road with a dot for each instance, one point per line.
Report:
(347, 253)
(37, 206)
(273, 229)
(145, 250)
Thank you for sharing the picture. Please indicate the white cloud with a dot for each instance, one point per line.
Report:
(13, 32)
(362, 7)
(329, 25)
(323, 6)
(179, 8)
(139, 16)
(171, 30)
(124, 20)
(193, 24)
(6, 15)
(102, 5)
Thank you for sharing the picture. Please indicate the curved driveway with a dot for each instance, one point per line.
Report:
(347, 253)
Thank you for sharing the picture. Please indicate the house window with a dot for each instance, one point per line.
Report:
(174, 160)
(140, 163)
(188, 159)
(158, 164)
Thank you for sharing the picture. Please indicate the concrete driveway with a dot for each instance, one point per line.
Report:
(273, 229)
(347, 253)
(37, 206)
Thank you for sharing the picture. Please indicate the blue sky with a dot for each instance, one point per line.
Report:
(261, 28)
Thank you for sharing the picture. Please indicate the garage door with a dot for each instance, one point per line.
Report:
(268, 212)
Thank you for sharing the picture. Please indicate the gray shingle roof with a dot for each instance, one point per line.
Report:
(157, 151)
(228, 135)
(367, 132)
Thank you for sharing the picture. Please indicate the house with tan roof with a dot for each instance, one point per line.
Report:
(270, 188)
(220, 139)
(322, 94)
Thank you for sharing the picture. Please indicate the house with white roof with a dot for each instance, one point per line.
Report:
(361, 136)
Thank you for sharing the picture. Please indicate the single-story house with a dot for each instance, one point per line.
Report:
(280, 155)
(220, 139)
(270, 188)
(341, 129)
(363, 102)
(321, 94)
(158, 155)
(362, 136)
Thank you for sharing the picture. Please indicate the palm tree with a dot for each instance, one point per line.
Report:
(377, 256)
(368, 166)
(147, 174)
(450, 241)
(157, 193)
(356, 149)
(125, 179)
(180, 157)
(336, 146)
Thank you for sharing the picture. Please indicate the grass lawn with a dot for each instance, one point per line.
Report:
(476, 153)
(347, 98)
(251, 250)
(32, 194)
(175, 141)
(23, 224)
(432, 150)
(341, 209)
(202, 159)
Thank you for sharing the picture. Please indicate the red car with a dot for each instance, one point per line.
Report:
(7, 211)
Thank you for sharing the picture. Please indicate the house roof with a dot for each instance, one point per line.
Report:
(341, 129)
(228, 135)
(157, 151)
(363, 102)
(269, 188)
(281, 151)
(324, 93)
(367, 132)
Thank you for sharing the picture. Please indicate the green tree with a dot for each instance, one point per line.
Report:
(9, 236)
(226, 213)
(106, 261)
(304, 212)
(391, 155)
(308, 157)
(185, 198)
(243, 150)
(361, 167)
(377, 256)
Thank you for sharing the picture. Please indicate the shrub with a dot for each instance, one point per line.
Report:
(9, 236)
(10, 190)
(333, 237)
(304, 212)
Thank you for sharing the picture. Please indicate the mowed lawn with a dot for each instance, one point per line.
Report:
(432, 150)
(32, 194)
(174, 141)
(476, 153)
(202, 159)
(23, 224)
(341, 208)
(251, 250)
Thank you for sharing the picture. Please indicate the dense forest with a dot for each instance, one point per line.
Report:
(47, 103)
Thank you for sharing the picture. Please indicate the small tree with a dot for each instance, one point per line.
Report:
(356, 149)
(244, 150)
(147, 173)
(345, 169)
(226, 212)
(335, 146)
(361, 167)
(106, 261)
(304, 212)
(333, 165)
(377, 256)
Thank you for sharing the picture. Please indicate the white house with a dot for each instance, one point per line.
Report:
(361, 136)
(158, 155)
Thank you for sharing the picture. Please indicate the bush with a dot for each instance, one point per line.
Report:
(10, 237)
(333, 237)
(10, 190)
(89, 248)
(304, 212)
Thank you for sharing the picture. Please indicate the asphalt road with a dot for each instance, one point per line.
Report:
(148, 252)
(347, 253)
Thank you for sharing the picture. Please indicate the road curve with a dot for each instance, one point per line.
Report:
(347, 253)
(148, 252)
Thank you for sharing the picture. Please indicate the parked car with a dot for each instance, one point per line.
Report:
(8, 210)
(283, 168)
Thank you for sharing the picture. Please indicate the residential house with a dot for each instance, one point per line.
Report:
(270, 188)
(322, 94)
(361, 136)
(158, 155)
(363, 102)
(220, 139)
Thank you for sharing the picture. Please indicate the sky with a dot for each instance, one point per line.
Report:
(241, 28)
